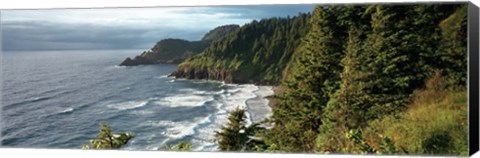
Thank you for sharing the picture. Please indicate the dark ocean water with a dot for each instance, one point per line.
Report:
(57, 99)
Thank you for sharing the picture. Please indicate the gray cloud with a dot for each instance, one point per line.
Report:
(124, 28)
(260, 11)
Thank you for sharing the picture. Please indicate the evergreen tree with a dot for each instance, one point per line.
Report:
(257, 53)
(345, 107)
(309, 83)
(353, 65)
(107, 140)
(452, 51)
(233, 137)
(382, 68)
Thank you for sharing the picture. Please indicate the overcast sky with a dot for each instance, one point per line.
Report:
(124, 28)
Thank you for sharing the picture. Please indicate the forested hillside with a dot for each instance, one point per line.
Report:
(355, 79)
(174, 51)
(257, 53)
(363, 63)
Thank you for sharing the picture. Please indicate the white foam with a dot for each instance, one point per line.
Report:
(258, 107)
(186, 90)
(238, 97)
(265, 91)
(119, 66)
(128, 105)
(67, 110)
(142, 112)
(232, 97)
(184, 100)
(161, 77)
(178, 130)
(203, 130)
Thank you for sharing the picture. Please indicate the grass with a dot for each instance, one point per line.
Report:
(435, 123)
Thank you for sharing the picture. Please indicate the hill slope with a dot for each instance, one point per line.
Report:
(174, 51)
(257, 53)
(347, 71)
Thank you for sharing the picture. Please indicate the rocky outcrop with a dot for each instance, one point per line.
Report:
(129, 62)
(217, 74)
(207, 74)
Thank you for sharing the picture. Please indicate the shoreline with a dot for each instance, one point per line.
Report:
(259, 107)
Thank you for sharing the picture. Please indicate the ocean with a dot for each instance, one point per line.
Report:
(57, 99)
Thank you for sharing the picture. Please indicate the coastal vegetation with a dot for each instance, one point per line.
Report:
(107, 140)
(387, 79)
(257, 53)
(364, 79)
(181, 146)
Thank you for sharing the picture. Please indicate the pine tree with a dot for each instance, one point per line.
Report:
(344, 109)
(311, 78)
(452, 52)
(233, 137)
(107, 140)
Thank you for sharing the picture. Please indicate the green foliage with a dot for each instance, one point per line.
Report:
(174, 51)
(233, 137)
(452, 53)
(435, 122)
(310, 79)
(272, 148)
(107, 140)
(353, 79)
(258, 52)
(181, 146)
(220, 32)
(236, 136)
(384, 63)
(361, 146)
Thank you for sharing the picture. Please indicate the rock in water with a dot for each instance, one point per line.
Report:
(128, 62)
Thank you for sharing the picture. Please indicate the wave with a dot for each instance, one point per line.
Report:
(183, 100)
(201, 92)
(258, 107)
(142, 112)
(179, 130)
(238, 97)
(68, 110)
(39, 99)
(201, 131)
(128, 105)
(229, 98)
(161, 77)
(235, 96)
(173, 130)
(118, 66)
(28, 101)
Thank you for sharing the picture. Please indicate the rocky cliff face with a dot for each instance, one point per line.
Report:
(206, 73)
(174, 51)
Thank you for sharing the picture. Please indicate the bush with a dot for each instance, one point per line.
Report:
(182, 146)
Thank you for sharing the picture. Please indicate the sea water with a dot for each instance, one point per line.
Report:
(57, 99)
